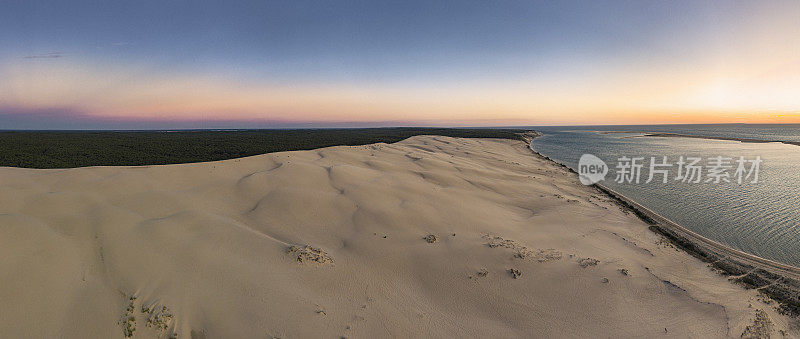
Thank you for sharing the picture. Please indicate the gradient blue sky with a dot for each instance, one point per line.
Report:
(171, 64)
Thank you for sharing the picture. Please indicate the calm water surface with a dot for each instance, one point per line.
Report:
(760, 218)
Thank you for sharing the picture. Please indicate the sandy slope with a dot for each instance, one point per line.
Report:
(205, 248)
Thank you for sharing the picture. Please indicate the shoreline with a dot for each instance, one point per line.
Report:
(744, 140)
(779, 281)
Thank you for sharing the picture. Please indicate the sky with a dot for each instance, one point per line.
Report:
(277, 64)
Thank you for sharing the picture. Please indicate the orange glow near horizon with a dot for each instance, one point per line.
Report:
(622, 98)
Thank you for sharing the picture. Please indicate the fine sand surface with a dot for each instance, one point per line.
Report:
(432, 236)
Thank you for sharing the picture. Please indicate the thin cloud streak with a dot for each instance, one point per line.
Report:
(53, 55)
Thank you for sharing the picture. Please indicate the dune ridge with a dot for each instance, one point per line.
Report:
(430, 236)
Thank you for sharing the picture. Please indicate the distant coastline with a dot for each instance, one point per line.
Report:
(679, 135)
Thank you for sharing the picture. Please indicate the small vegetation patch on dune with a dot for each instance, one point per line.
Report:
(128, 319)
(541, 255)
(523, 252)
(762, 326)
(156, 317)
(431, 238)
(160, 318)
(586, 262)
(309, 254)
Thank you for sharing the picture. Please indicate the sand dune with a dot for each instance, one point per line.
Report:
(432, 236)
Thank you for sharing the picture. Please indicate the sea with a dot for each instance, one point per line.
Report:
(761, 217)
